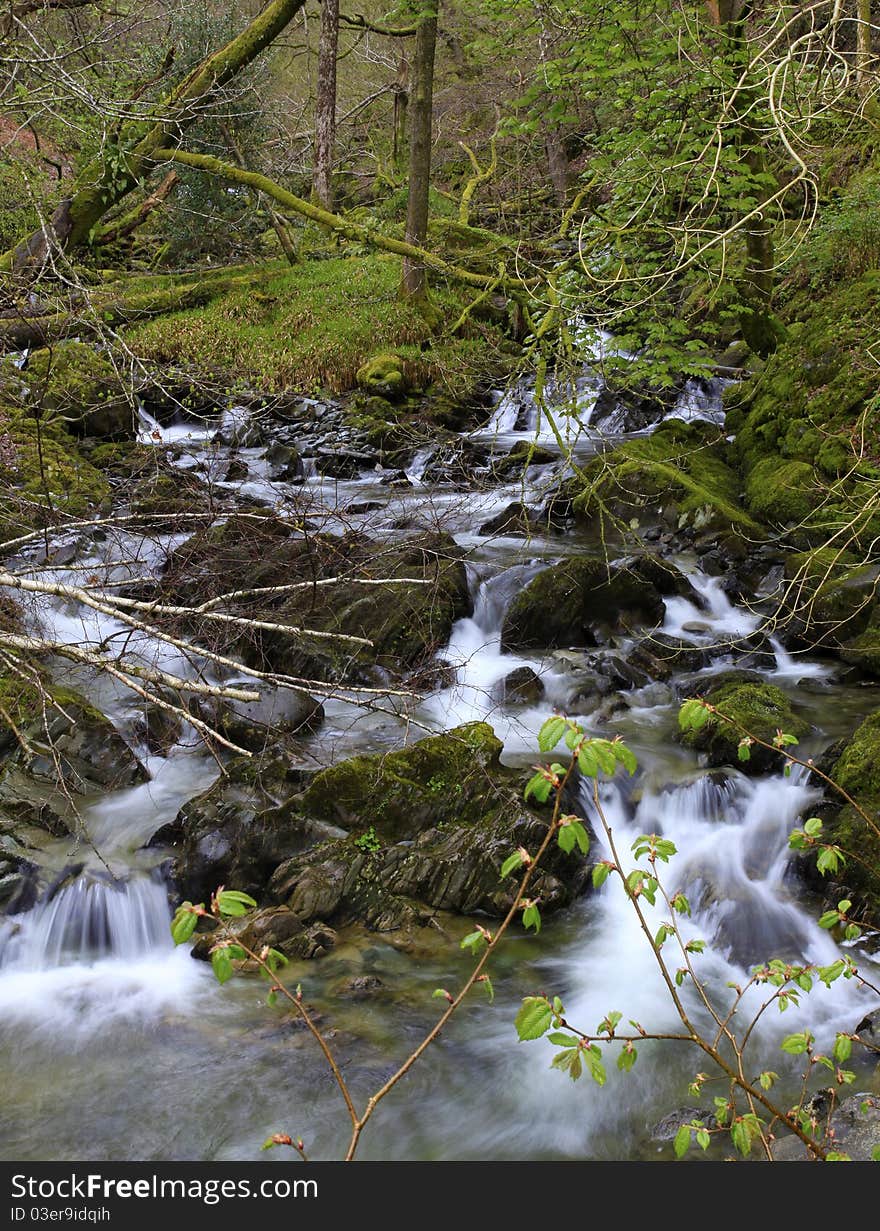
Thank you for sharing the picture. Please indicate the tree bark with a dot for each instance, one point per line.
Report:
(863, 47)
(414, 284)
(325, 105)
(110, 178)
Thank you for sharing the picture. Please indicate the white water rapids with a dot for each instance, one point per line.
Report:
(133, 1037)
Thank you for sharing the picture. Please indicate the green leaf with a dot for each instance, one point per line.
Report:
(566, 839)
(600, 874)
(236, 953)
(568, 1061)
(551, 733)
(813, 826)
(558, 1039)
(487, 984)
(272, 998)
(588, 762)
(842, 1048)
(828, 860)
(743, 750)
(830, 919)
(767, 1079)
(703, 1138)
(797, 1044)
(682, 1141)
(681, 904)
(534, 1018)
(510, 864)
(626, 757)
(233, 903)
(183, 924)
(627, 1059)
(475, 941)
(581, 837)
(693, 715)
(540, 787)
(222, 965)
(532, 918)
(605, 755)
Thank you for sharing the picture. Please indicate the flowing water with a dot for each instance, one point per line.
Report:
(116, 1045)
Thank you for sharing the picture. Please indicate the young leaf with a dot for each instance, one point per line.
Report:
(534, 1018)
(693, 715)
(682, 1142)
(797, 1044)
(222, 965)
(551, 733)
(566, 839)
(510, 864)
(233, 904)
(532, 917)
(183, 924)
(627, 1058)
(538, 786)
(626, 757)
(600, 874)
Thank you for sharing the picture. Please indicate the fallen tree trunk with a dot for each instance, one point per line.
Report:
(110, 178)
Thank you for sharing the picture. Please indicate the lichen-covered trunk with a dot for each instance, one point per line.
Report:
(863, 47)
(421, 108)
(125, 163)
(325, 104)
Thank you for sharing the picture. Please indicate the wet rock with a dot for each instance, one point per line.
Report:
(516, 519)
(405, 622)
(266, 724)
(572, 602)
(429, 826)
(665, 1129)
(522, 686)
(236, 471)
(855, 1125)
(663, 656)
(74, 740)
(284, 462)
(345, 463)
(235, 834)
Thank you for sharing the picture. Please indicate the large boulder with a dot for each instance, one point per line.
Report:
(238, 831)
(754, 709)
(56, 735)
(82, 386)
(405, 621)
(580, 601)
(429, 827)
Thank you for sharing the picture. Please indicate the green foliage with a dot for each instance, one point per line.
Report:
(369, 841)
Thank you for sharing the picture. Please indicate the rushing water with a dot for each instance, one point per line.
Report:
(114, 1044)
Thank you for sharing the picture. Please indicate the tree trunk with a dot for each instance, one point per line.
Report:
(401, 98)
(415, 275)
(110, 178)
(325, 105)
(863, 47)
(757, 322)
(557, 161)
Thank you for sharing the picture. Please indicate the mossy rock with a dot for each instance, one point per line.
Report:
(781, 493)
(403, 793)
(67, 741)
(857, 771)
(43, 474)
(383, 376)
(755, 709)
(82, 386)
(430, 827)
(830, 599)
(680, 472)
(580, 600)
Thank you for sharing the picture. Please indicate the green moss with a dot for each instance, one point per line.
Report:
(81, 385)
(754, 709)
(404, 792)
(679, 463)
(41, 473)
(382, 375)
(780, 492)
(857, 771)
(315, 325)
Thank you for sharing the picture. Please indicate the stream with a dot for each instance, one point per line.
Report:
(116, 1045)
